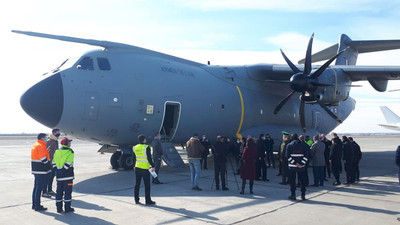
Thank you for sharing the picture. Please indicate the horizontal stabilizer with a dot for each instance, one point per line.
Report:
(390, 116)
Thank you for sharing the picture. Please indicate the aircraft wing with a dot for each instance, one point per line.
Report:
(390, 127)
(358, 73)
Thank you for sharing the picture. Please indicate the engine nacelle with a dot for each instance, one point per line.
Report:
(340, 89)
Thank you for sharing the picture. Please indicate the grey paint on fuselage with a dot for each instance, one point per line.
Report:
(109, 107)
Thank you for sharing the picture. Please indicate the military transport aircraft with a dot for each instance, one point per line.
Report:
(113, 94)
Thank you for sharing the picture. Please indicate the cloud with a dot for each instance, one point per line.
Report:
(293, 41)
(340, 6)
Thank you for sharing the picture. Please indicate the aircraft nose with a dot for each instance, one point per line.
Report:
(44, 101)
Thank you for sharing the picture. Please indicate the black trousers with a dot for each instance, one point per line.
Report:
(306, 179)
(261, 167)
(145, 174)
(356, 170)
(244, 184)
(285, 172)
(348, 167)
(64, 189)
(203, 162)
(270, 158)
(39, 185)
(336, 170)
(157, 165)
(219, 169)
(327, 168)
(292, 181)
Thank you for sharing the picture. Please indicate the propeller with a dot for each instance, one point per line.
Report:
(305, 81)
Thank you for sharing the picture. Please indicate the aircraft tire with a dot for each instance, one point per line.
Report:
(114, 160)
(126, 161)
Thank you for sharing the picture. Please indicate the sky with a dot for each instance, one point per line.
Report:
(235, 32)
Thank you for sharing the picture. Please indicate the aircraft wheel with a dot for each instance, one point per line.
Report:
(114, 159)
(126, 161)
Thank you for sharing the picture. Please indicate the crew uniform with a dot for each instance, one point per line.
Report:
(142, 156)
(64, 159)
(284, 159)
(41, 167)
(296, 155)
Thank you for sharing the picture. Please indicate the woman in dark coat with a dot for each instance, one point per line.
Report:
(248, 170)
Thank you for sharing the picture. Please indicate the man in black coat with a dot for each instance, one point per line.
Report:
(269, 144)
(357, 158)
(206, 144)
(220, 152)
(328, 144)
(335, 159)
(261, 167)
(348, 159)
(297, 160)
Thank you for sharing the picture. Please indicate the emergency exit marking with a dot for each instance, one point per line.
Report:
(149, 109)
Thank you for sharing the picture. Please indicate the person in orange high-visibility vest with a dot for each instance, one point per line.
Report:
(41, 167)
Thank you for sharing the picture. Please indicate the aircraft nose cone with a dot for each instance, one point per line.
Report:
(44, 101)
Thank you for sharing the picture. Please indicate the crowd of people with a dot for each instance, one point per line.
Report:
(251, 157)
(296, 154)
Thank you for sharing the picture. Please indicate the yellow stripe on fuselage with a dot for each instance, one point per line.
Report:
(242, 113)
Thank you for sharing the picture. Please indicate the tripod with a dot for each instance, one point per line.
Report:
(226, 175)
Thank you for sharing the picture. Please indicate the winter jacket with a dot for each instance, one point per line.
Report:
(336, 153)
(317, 151)
(64, 159)
(40, 159)
(296, 154)
(194, 148)
(248, 170)
(220, 151)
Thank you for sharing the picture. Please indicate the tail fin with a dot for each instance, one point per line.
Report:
(390, 116)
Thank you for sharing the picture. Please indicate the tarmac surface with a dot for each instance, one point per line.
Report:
(105, 196)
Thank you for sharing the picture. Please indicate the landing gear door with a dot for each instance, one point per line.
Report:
(170, 122)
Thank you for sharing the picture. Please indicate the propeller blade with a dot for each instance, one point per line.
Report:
(301, 113)
(324, 85)
(317, 73)
(307, 64)
(292, 66)
(328, 110)
(277, 81)
(279, 106)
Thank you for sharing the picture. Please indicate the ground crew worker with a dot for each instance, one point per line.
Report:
(308, 141)
(64, 159)
(142, 156)
(41, 167)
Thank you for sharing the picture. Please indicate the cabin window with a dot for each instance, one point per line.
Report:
(85, 64)
(103, 63)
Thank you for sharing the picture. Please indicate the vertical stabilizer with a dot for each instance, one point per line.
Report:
(349, 57)
(390, 116)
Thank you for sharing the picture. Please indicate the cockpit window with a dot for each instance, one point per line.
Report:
(104, 64)
(85, 64)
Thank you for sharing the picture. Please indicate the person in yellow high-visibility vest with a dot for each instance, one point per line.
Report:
(143, 163)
